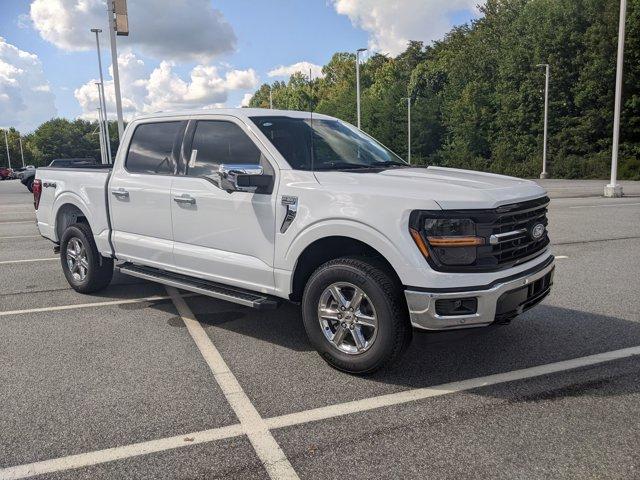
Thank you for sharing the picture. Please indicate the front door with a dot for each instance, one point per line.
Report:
(221, 236)
(140, 194)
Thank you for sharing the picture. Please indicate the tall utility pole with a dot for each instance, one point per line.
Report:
(102, 99)
(270, 97)
(614, 189)
(21, 151)
(104, 121)
(408, 99)
(6, 142)
(118, 24)
(101, 124)
(358, 83)
(103, 155)
(544, 173)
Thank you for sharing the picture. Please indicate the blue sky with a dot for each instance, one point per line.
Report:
(212, 53)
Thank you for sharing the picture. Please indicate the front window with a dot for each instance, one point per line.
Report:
(318, 144)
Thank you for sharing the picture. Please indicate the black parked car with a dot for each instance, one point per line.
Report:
(29, 175)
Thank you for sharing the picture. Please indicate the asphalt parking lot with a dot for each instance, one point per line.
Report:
(141, 382)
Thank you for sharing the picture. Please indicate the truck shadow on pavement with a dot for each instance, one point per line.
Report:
(544, 335)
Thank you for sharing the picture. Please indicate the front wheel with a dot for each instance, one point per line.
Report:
(85, 269)
(354, 315)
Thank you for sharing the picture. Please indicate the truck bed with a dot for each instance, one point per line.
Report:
(85, 188)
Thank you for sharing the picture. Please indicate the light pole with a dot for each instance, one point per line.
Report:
(21, 151)
(104, 122)
(408, 99)
(102, 99)
(614, 189)
(544, 173)
(103, 144)
(358, 82)
(270, 97)
(114, 62)
(6, 142)
(101, 136)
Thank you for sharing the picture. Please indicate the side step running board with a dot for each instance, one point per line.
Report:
(203, 287)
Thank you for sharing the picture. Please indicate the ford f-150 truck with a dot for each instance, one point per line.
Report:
(259, 206)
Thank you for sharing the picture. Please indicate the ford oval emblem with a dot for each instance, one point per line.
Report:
(537, 231)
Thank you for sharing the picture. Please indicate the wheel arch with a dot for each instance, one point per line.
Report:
(68, 213)
(329, 248)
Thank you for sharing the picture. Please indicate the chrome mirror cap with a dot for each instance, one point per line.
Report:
(229, 176)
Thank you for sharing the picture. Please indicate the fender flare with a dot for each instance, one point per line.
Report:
(68, 198)
(344, 228)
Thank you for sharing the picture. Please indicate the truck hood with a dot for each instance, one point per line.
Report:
(449, 187)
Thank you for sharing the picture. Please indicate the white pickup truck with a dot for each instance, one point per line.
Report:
(255, 206)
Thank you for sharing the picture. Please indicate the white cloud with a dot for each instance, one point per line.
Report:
(25, 95)
(164, 89)
(392, 23)
(245, 100)
(302, 67)
(184, 30)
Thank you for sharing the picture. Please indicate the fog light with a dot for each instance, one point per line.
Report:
(457, 306)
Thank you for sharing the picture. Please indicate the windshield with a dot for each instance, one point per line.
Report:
(324, 144)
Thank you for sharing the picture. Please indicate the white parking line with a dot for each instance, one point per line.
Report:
(561, 257)
(29, 260)
(119, 453)
(422, 393)
(20, 236)
(254, 426)
(152, 298)
(307, 416)
(606, 205)
(16, 222)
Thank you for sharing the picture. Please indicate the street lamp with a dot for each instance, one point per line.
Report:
(408, 99)
(103, 102)
(358, 82)
(614, 189)
(6, 142)
(118, 23)
(103, 141)
(21, 151)
(544, 173)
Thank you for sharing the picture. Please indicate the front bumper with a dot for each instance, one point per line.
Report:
(499, 302)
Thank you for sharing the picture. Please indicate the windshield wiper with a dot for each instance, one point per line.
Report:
(344, 166)
(392, 163)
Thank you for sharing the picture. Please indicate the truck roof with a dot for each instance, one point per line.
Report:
(235, 112)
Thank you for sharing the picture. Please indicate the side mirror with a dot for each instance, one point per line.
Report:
(242, 178)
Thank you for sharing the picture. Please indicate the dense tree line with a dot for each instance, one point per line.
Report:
(56, 138)
(477, 95)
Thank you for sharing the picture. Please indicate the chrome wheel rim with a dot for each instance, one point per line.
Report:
(347, 318)
(77, 260)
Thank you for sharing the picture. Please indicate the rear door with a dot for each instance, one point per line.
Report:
(222, 236)
(140, 194)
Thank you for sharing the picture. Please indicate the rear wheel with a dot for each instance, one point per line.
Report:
(29, 184)
(85, 269)
(354, 315)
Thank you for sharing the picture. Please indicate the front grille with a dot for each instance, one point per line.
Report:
(517, 247)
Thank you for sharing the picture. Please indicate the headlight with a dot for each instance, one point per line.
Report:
(448, 241)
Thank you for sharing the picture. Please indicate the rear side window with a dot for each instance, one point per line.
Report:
(216, 142)
(153, 148)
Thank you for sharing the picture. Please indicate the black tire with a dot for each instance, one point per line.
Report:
(29, 184)
(383, 292)
(99, 269)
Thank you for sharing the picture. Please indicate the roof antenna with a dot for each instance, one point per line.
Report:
(311, 118)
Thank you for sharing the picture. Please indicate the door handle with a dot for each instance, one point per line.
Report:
(120, 193)
(185, 198)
